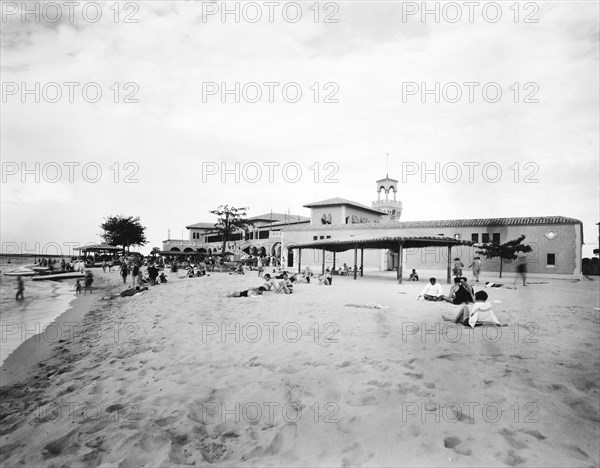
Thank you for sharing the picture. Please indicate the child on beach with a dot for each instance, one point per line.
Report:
(458, 266)
(413, 276)
(476, 268)
(78, 287)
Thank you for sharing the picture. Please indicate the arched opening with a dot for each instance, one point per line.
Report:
(188, 249)
(262, 252)
(276, 249)
(329, 218)
(174, 249)
(201, 250)
(254, 251)
(290, 262)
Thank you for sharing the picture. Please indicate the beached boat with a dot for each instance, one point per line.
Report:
(59, 276)
(20, 273)
(40, 269)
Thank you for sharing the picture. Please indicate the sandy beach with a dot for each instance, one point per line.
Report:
(182, 375)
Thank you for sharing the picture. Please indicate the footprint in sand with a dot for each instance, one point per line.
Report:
(63, 445)
(414, 375)
(453, 442)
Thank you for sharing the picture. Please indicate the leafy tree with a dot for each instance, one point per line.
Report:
(155, 251)
(229, 220)
(125, 231)
(506, 251)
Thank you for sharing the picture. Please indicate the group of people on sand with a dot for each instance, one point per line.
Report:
(461, 293)
(154, 275)
(285, 285)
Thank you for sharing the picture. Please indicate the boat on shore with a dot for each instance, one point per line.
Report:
(59, 276)
(20, 273)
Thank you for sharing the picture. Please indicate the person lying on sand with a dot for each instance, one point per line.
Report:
(255, 292)
(489, 284)
(133, 291)
(432, 292)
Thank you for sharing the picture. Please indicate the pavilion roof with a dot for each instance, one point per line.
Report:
(380, 243)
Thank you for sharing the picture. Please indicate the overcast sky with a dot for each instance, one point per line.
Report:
(176, 136)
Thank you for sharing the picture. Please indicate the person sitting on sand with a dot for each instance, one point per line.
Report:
(413, 276)
(325, 278)
(432, 292)
(286, 286)
(480, 312)
(162, 277)
(460, 293)
(255, 292)
(270, 284)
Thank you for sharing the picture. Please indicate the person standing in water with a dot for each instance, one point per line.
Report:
(20, 289)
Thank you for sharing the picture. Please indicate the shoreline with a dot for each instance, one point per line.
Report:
(23, 362)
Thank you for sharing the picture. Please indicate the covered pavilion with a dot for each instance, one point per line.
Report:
(98, 248)
(395, 244)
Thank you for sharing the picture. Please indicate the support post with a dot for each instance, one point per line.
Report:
(449, 270)
(355, 253)
(333, 262)
(399, 271)
(362, 251)
(299, 260)
(323, 265)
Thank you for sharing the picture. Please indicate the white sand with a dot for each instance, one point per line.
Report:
(370, 388)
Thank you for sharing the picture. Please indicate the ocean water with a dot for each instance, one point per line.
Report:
(44, 302)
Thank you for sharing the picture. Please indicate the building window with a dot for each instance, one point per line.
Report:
(328, 237)
(485, 237)
(263, 234)
(475, 237)
(347, 219)
(321, 237)
(551, 259)
(315, 237)
(496, 238)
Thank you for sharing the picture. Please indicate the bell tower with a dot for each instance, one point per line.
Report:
(388, 204)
